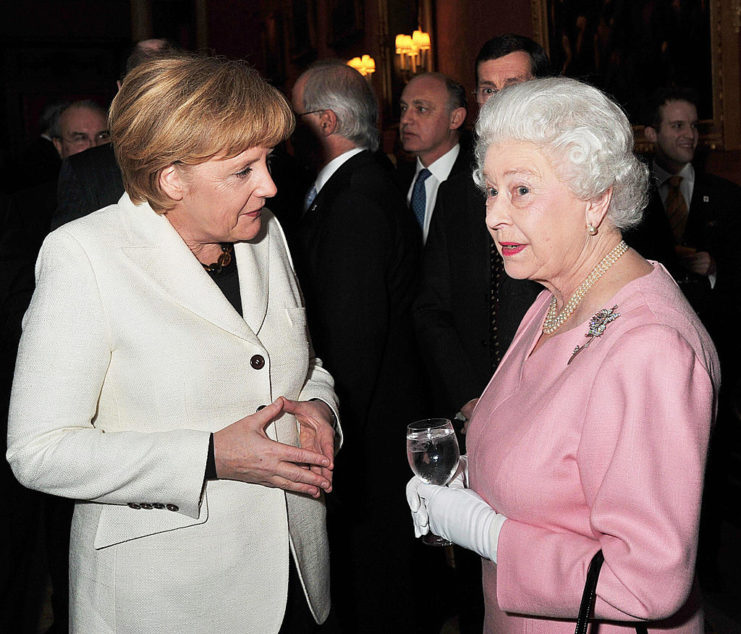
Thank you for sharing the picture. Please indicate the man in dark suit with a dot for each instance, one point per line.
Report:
(90, 180)
(468, 310)
(357, 252)
(692, 225)
(433, 109)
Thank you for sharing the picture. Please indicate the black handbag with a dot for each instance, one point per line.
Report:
(590, 596)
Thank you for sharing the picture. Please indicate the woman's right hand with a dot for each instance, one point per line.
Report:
(244, 452)
(467, 412)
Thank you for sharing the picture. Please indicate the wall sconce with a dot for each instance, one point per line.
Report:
(365, 65)
(414, 52)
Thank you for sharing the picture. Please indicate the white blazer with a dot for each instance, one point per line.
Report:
(130, 357)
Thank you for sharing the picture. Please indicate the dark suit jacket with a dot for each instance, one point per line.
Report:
(88, 181)
(405, 171)
(713, 225)
(451, 312)
(357, 258)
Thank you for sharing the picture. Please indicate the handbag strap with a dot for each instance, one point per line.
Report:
(589, 597)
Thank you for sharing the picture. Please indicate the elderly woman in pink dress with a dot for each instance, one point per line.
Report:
(592, 435)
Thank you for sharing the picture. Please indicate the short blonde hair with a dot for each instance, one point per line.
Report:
(189, 109)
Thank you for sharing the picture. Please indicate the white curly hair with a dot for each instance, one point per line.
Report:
(585, 135)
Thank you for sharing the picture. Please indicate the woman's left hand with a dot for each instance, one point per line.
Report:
(315, 430)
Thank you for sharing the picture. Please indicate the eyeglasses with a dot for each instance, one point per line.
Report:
(303, 114)
(79, 139)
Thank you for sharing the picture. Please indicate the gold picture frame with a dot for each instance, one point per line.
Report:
(708, 46)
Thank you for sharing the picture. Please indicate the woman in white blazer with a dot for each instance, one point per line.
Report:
(156, 324)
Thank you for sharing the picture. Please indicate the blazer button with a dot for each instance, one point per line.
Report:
(257, 362)
(172, 507)
(158, 505)
(133, 505)
(146, 506)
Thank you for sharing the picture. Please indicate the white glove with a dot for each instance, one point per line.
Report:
(461, 516)
(418, 508)
(460, 479)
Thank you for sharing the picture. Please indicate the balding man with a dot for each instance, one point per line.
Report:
(468, 309)
(433, 109)
(91, 179)
(81, 125)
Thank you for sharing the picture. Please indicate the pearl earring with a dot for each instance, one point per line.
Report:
(591, 230)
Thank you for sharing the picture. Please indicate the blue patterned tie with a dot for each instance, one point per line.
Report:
(310, 196)
(419, 197)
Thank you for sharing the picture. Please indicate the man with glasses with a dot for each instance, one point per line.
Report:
(81, 125)
(468, 309)
(90, 179)
(356, 256)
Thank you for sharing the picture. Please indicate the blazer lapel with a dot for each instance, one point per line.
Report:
(159, 251)
(253, 262)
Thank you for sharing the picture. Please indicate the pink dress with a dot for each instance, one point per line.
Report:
(607, 452)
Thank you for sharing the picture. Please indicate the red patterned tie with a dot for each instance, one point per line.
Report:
(676, 208)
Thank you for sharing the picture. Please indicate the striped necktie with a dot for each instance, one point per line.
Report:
(676, 208)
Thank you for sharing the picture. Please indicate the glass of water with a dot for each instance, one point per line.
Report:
(432, 451)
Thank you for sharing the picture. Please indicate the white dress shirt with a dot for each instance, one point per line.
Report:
(440, 170)
(330, 168)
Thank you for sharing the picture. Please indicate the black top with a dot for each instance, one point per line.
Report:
(228, 282)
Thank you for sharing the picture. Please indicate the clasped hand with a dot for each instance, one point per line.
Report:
(243, 451)
(701, 263)
(456, 513)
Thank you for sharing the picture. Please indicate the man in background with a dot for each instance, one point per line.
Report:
(357, 257)
(81, 125)
(468, 309)
(692, 225)
(433, 110)
(90, 179)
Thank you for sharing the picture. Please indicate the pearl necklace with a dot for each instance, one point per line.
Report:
(552, 321)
